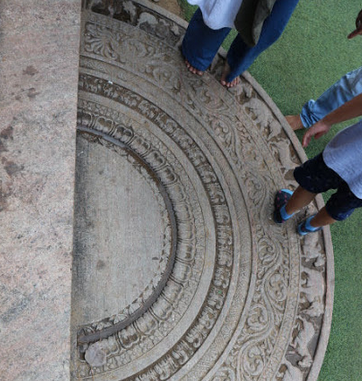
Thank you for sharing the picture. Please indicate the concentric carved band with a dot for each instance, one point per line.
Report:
(106, 332)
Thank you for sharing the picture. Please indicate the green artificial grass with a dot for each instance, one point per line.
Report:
(311, 55)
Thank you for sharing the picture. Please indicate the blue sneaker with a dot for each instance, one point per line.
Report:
(281, 198)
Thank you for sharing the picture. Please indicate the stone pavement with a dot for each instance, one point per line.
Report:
(179, 271)
(39, 54)
(171, 6)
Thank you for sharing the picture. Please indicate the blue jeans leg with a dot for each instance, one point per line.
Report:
(201, 43)
(349, 86)
(241, 55)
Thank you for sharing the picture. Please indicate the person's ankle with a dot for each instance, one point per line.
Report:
(284, 214)
(295, 122)
(310, 225)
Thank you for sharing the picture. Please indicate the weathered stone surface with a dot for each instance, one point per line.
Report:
(39, 50)
(122, 216)
(220, 292)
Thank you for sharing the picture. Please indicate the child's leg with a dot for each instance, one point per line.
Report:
(338, 208)
(313, 177)
(316, 222)
(322, 218)
(299, 200)
(201, 43)
(286, 203)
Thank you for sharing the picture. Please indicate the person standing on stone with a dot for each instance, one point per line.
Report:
(259, 23)
(346, 88)
(337, 167)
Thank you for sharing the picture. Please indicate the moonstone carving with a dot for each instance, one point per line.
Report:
(180, 272)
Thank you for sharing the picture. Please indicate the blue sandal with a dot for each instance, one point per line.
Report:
(281, 198)
(305, 227)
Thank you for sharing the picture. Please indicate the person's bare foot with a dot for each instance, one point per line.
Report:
(295, 122)
(192, 69)
(224, 74)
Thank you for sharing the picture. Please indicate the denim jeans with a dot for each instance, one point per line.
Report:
(201, 43)
(349, 86)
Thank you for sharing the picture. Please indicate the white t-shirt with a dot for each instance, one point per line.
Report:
(218, 14)
(343, 154)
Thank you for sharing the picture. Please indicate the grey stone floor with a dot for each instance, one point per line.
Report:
(39, 54)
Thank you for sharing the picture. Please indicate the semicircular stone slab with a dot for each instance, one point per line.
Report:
(179, 270)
